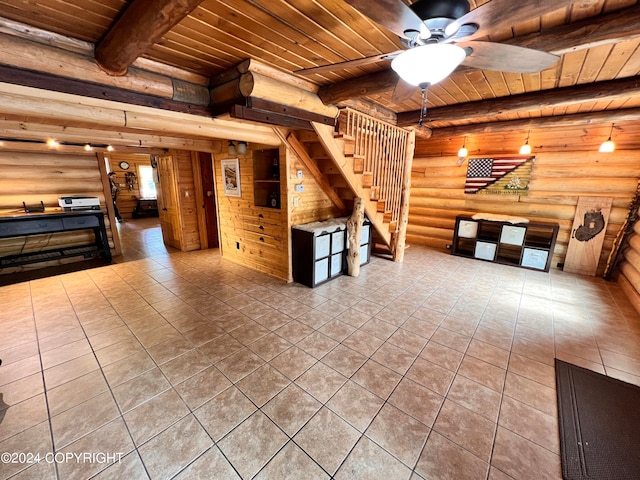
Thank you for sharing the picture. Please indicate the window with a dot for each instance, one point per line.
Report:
(147, 185)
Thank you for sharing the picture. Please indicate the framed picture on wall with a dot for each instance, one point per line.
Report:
(231, 177)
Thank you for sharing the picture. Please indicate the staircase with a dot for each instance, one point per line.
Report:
(369, 159)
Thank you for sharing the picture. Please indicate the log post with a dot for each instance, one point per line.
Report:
(398, 244)
(354, 232)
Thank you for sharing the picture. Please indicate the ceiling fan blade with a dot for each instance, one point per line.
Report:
(507, 58)
(394, 15)
(359, 62)
(498, 14)
(403, 91)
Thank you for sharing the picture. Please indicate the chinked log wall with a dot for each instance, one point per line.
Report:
(35, 177)
(629, 269)
(558, 179)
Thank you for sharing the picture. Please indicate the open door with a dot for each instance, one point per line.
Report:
(206, 197)
(168, 202)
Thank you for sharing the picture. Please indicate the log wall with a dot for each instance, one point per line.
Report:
(558, 179)
(32, 177)
(629, 269)
(127, 197)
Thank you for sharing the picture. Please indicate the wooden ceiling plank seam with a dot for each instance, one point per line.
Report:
(632, 66)
(293, 37)
(514, 82)
(305, 25)
(571, 65)
(329, 19)
(168, 56)
(241, 31)
(594, 63)
(619, 56)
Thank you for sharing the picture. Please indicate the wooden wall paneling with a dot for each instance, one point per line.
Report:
(242, 240)
(558, 179)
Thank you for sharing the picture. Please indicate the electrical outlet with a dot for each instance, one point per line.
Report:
(299, 188)
(299, 174)
(296, 201)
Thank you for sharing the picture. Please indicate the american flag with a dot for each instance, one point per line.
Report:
(482, 172)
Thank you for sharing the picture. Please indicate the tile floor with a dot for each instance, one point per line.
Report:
(187, 366)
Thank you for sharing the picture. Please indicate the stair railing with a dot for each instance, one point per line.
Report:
(383, 148)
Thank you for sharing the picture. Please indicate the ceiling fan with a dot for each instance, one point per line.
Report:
(439, 35)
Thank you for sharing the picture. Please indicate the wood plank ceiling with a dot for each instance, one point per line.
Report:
(298, 34)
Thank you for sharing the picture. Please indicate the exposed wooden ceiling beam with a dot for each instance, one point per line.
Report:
(572, 120)
(559, 97)
(143, 23)
(606, 29)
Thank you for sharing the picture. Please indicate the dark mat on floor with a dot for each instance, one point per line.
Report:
(599, 419)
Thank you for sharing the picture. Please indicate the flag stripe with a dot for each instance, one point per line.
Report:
(483, 172)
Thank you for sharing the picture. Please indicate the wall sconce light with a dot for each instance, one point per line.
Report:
(110, 148)
(463, 152)
(52, 143)
(526, 148)
(232, 148)
(87, 147)
(242, 147)
(608, 146)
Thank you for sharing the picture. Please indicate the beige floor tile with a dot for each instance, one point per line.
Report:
(129, 466)
(186, 365)
(536, 371)
(367, 461)
(531, 393)
(75, 392)
(522, 459)
(21, 390)
(13, 371)
(475, 397)
(362, 342)
(337, 329)
(210, 465)
(269, 346)
(466, 428)
(82, 419)
(33, 441)
(327, 439)
(147, 420)
(431, 376)
(263, 384)
(344, 360)
(175, 448)
(442, 458)
(250, 446)
(291, 409)
(400, 434)
(443, 356)
(530, 423)
(139, 389)
(418, 401)
(355, 404)
(128, 368)
(202, 387)
(482, 372)
(220, 348)
(169, 349)
(321, 381)
(377, 379)
(293, 362)
(289, 463)
(394, 358)
(112, 440)
(408, 341)
(224, 412)
(240, 364)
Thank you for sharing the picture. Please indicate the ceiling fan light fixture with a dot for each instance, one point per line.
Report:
(608, 146)
(428, 64)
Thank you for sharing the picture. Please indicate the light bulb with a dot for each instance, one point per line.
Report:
(608, 146)
(232, 148)
(52, 143)
(88, 147)
(525, 149)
